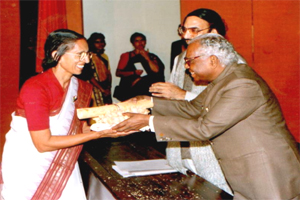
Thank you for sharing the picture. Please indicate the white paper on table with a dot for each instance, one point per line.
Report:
(139, 65)
(143, 167)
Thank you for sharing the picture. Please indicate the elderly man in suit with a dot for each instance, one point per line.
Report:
(181, 87)
(238, 114)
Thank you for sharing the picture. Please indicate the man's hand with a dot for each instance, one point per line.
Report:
(167, 90)
(133, 124)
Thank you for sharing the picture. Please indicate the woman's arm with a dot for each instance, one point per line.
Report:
(95, 83)
(44, 141)
(152, 63)
(121, 66)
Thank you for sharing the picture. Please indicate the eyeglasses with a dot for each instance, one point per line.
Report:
(182, 30)
(82, 55)
(189, 60)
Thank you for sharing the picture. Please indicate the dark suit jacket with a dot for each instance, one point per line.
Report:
(241, 117)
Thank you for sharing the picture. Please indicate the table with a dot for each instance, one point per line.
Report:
(98, 157)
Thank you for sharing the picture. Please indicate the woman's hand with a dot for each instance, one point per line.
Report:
(145, 54)
(110, 133)
(153, 64)
(139, 72)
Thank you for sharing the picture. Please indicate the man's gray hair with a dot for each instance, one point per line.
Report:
(217, 45)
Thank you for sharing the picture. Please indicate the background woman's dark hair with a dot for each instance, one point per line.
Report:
(92, 40)
(61, 41)
(212, 17)
(135, 35)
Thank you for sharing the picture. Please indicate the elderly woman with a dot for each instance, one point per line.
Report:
(138, 69)
(42, 147)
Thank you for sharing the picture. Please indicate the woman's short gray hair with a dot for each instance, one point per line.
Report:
(217, 45)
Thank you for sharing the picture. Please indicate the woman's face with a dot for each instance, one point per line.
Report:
(139, 43)
(99, 44)
(73, 61)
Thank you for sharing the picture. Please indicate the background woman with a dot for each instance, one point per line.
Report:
(97, 72)
(138, 69)
(42, 147)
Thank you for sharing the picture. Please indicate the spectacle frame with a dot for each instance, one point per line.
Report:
(82, 55)
(182, 30)
(189, 60)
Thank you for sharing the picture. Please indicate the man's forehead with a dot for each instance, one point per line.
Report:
(192, 49)
(195, 22)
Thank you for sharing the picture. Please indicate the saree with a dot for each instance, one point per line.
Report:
(29, 174)
(101, 74)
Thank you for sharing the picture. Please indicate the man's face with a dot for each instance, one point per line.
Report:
(193, 27)
(200, 67)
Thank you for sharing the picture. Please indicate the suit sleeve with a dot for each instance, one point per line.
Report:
(184, 121)
(178, 108)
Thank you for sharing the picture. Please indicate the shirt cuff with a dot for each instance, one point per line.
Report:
(190, 96)
(151, 124)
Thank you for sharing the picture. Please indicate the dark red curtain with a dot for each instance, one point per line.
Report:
(9, 63)
(51, 16)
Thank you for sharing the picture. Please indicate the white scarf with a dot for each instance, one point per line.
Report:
(178, 74)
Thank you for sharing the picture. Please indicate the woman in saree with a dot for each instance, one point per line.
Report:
(97, 72)
(42, 147)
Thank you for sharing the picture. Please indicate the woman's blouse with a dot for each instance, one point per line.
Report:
(41, 96)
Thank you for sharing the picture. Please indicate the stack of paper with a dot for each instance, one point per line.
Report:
(143, 167)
